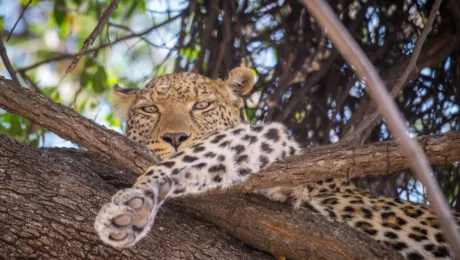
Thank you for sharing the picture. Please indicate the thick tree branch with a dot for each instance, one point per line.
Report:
(379, 158)
(317, 163)
(66, 123)
(353, 54)
(75, 182)
(295, 234)
(329, 162)
(49, 199)
(60, 119)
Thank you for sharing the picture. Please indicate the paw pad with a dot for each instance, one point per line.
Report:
(128, 218)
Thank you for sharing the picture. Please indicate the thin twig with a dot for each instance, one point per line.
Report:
(127, 37)
(354, 55)
(418, 47)
(361, 133)
(6, 61)
(92, 37)
(17, 21)
(31, 83)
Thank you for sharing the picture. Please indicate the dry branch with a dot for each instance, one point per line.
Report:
(19, 19)
(92, 37)
(351, 51)
(418, 47)
(126, 37)
(6, 61)
(371, 116)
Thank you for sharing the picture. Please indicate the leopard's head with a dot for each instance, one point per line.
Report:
(174, 111)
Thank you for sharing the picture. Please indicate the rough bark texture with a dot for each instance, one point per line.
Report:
(317, 163)
(66, 123)
(296, 234)
(69, 125)
(378, 158)
(49, 199)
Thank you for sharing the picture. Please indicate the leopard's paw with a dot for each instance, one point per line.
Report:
(128, 218)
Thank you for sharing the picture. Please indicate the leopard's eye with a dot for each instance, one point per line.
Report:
(149, 109)
(201, 105)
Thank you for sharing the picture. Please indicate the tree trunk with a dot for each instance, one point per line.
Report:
(48, 212)
(49, 199)
(72, 185)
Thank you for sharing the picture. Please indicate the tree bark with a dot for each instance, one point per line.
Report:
(69, 125)
(320, 163)
(50, 197)
(268, 231)
(316, 164)
(265, 225)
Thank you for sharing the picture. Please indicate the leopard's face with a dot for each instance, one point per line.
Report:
(175, 111)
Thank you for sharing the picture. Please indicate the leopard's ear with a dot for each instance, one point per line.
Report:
(241, 80)
(124, 99)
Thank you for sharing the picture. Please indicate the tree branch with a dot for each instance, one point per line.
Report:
(418, 47)
(90, 40)
(49, 199)
(19, 19)
(6, 61)
(328, 162)
(71, 125)
(127, 37)
(353, 54)
(364, 124)
(293, 233)
(118, 150)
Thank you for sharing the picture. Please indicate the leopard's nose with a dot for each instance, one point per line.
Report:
(175, 139)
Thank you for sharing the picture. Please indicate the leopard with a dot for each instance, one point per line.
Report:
(194, 124)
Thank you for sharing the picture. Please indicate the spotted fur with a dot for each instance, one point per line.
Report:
(220, 151)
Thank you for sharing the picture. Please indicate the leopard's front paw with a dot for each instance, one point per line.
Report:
(127, 218)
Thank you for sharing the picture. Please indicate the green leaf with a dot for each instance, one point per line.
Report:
(87, 74)
(250, 112)
(59, 11)
(25, 2)
(81, 106)
(132, 8)
(113, 121)
(100, 80)
(64, 29)
(77, 2)
(15, 127)
(47, 54)
(34, 142)
(190, 53)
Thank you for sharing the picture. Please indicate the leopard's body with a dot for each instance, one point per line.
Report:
(193, 124)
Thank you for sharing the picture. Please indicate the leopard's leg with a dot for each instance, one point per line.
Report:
(218, 161)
